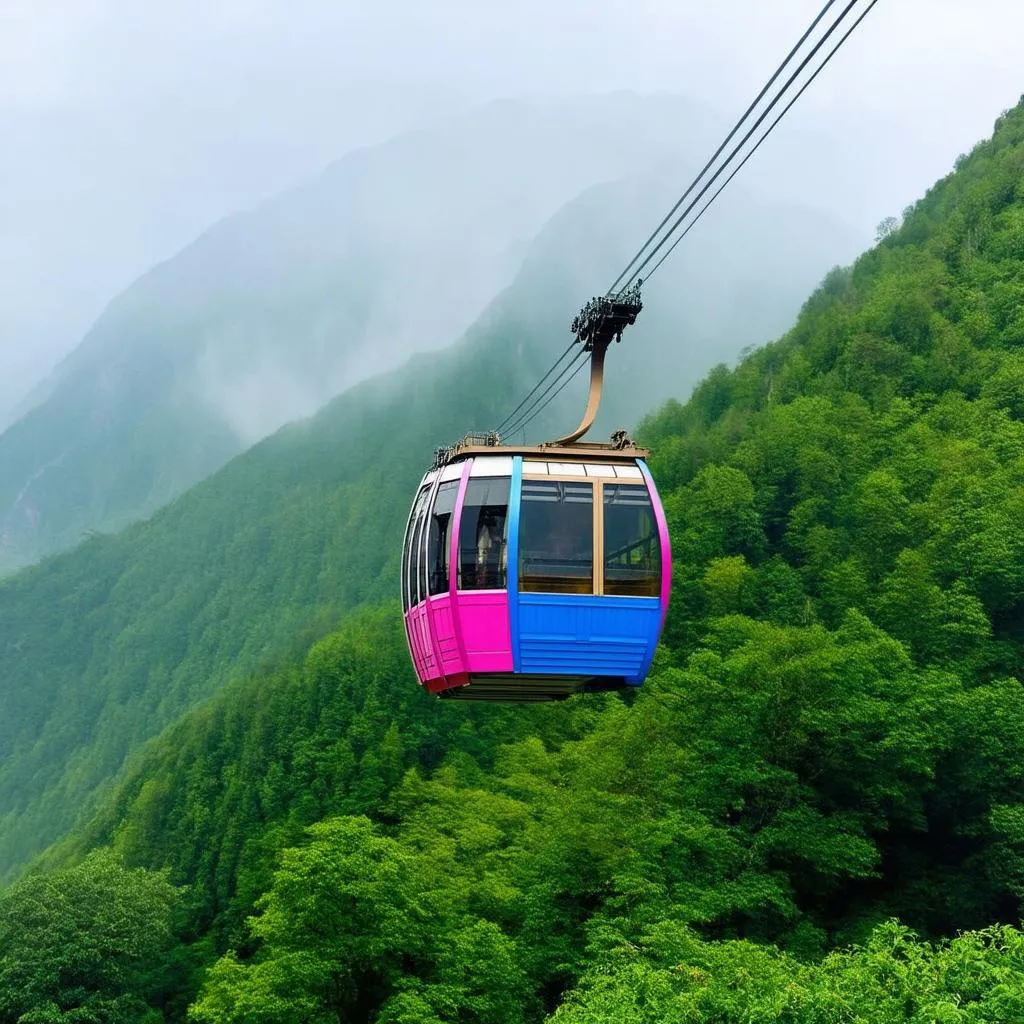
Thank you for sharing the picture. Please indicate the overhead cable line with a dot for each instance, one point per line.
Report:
(572, 369)
(725, 142)
(756, 145)
(601, 319)
(565, 383)
(510, 417)
(778, 98)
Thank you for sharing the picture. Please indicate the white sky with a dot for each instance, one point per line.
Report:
(126, 126)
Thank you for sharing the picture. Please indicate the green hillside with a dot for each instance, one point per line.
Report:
(812, 812)
(106, 645)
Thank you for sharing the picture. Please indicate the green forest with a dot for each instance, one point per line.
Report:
(811, 813)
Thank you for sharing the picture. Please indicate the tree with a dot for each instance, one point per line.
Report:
(894, 978)
(886, 227)
(358, 924)
(84, 944)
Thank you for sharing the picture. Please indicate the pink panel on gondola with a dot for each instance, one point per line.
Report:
(413, 649)
(463, 631)
(415, 618)
(422, 649)
(446, 643)
(434, 666)
(484, 625)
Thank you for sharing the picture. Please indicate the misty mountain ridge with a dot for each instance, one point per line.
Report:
(485, 183)
(394, 249)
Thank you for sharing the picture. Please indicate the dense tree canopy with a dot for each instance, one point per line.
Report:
(86, 944)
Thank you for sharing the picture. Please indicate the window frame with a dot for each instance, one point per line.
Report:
(655, 536)
(463, 521)
(407, 545)
(575, 481)
(598, 482)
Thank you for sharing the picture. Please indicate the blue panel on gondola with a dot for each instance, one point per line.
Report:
(586, 634)
(515, 497)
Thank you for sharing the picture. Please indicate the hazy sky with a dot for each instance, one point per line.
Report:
(127, 127)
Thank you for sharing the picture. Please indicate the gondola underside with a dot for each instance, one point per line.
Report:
(530, 689)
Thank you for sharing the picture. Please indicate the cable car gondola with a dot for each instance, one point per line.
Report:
(537, 573)
(534, 573)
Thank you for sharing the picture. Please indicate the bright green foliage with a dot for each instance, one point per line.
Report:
(893, 978)
(785, 785)
(223, 790)
(357, 922)
(85, 945)
(342, 912)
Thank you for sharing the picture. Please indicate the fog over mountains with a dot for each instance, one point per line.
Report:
(126, 130)
(395, 249)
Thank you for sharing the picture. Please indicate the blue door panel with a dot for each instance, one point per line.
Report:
(586, 634)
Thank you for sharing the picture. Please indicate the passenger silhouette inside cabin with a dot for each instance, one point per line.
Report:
(491, 552)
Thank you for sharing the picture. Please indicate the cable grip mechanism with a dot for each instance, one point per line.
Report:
(596, 325)
(605, 317)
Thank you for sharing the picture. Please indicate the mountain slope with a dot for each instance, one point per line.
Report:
(833, 734)
(107, 644)
(394, 249)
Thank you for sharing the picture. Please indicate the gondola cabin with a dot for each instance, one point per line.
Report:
(535, 573)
